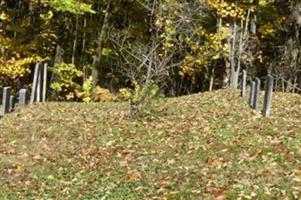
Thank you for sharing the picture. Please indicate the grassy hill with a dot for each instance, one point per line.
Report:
(203, 146)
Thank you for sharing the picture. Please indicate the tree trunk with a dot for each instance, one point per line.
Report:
(83, 46)
(289, 85)
(227, 74)
(58, 59)
(74, 41)
(292, 54)
(240, 49)
(276, 85)
(295, 84)
(211, 80)
(83, 49)
(235, 61)
(232, 55)
(59, 55)
(100, 44)
(242, 37)
(253, 25)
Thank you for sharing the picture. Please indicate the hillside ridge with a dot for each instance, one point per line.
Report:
(201, 146)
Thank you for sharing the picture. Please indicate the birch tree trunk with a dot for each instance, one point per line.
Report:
(243, 34)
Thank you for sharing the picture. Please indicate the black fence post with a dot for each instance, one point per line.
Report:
(6, 100)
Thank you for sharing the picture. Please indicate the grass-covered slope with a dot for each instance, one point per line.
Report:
(203, 146)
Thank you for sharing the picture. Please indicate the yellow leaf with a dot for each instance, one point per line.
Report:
(50, 177)
(216, 57)
(20, 168)
(3, 16)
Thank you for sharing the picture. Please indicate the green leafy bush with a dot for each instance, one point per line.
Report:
(139, 97)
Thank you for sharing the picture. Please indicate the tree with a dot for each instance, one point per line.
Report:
(203, 44)
(292, 49)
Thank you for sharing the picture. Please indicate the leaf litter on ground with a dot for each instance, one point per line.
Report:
(202, 146)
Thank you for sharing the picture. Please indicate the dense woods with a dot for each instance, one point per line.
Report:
(141, 47)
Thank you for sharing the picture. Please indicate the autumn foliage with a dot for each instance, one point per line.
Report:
(199, 40)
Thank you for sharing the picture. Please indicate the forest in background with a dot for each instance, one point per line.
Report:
(95, 48)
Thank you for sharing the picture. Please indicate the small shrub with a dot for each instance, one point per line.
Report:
(88, 94)
(101, 94)
(140, 97)
(124, 94)
(64, 84)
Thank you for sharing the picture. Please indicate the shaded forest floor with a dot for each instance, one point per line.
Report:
(203, 146)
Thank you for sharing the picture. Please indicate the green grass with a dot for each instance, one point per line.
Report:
(203, 146)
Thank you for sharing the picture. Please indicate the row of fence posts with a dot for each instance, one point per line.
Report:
(255, 90)
(38, 93)
(39, 87)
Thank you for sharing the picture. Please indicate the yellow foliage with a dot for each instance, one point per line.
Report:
(101, 94)
(202, 55)
(216, 57)
(4, 16)
(227, 9)
(96, 95)
(270, 29)
(263, 2)
(15, 68)
(4, 42)
(124, 94)
(267, 30)
(187, 70)
(224, 32)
